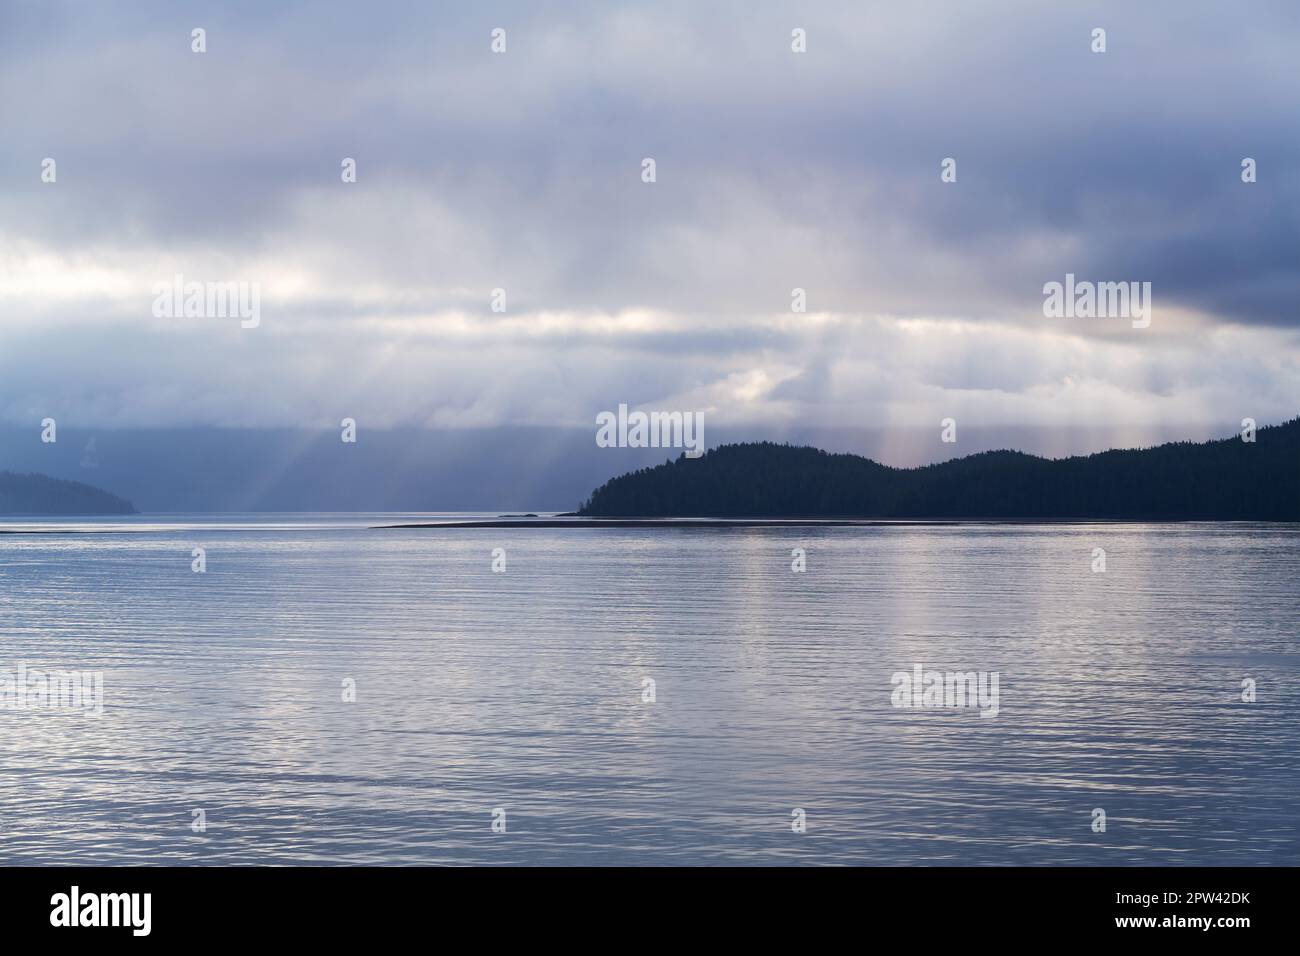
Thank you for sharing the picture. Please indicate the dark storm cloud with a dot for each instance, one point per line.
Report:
(775, 170)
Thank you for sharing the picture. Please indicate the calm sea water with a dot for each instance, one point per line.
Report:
(523, 691)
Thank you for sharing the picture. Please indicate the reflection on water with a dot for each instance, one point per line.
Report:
(523, 690)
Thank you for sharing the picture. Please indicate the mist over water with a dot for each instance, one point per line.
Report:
(522, 690)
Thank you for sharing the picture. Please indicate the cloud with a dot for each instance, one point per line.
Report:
(522, 171)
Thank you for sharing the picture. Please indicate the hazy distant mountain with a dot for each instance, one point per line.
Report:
(470, 469)
(33, 494)
(1225, 480)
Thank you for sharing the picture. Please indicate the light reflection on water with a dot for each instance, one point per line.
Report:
(522, 690)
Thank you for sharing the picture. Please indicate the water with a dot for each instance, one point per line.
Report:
(523, 690)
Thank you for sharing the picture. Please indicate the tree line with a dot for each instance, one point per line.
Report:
(1222, 480)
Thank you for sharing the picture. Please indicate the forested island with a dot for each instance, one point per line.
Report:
(1225, 480)
(32, 494)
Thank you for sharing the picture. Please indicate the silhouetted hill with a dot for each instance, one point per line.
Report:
(1224, 480)
(33, 494)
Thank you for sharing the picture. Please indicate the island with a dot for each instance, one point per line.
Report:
(33, 494)
(1230, 479)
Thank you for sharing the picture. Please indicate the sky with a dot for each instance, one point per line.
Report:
(774, 170)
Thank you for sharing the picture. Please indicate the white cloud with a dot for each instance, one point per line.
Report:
(521, 171)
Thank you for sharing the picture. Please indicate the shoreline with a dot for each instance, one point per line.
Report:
(714, 523)
(88, 524)
(665, 523)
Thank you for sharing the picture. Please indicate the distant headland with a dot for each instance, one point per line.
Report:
(1231, 479)
(32, 494)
